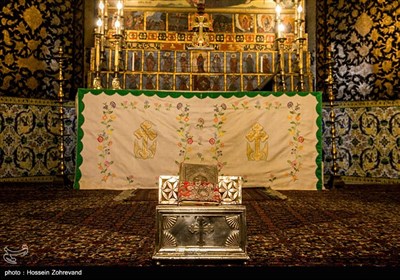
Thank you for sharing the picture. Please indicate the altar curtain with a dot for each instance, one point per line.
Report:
(127, 138)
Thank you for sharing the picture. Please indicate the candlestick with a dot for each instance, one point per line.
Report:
(116, 57)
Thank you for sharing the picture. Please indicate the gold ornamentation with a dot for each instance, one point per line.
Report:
(31, 63)
(258, 136)
(33, 17)
(364, 24)
(145, 150)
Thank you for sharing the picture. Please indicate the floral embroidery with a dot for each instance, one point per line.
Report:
(297, 139)
(105, 142)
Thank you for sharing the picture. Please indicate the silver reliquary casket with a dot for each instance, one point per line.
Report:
(199, 218)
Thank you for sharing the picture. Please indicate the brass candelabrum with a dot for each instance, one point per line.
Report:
(300, 40)
(98, 57)
(281, 65)
(116, 83)
(300, 63)
(61, 177)
(335, 179)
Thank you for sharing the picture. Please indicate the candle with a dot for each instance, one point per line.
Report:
(105, 16)
(101, 17)
(281, 28)
(120, 14)
(99, 24)
(300, 21)
(101, 8)
(117, 25)
(278, 10)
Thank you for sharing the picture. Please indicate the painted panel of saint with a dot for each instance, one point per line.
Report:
(165, 82)
(217, 82)
(217, 62)
(233, 62)
(223, 23)
(244, 23)
(134, 20)
(182, 82)
(156, 21)
(178, 22)
(265, 23)
(201, 82)
(135, 60)
(266, 63)
(151, 61)
(200, 62)
(249, 82)
(132, 81)
(167, 61)
(249, 62)
(233, 83)
(183, 62)
(149, 81)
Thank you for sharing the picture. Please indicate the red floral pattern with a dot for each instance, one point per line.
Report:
(199, 191)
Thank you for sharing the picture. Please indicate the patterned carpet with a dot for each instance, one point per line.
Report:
(356, 227)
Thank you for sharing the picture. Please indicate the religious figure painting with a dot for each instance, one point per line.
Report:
(132, 81)
(249, 82)
(217, 62)
(265, 23)
(233, 82)
(222, 23)
(151, 61)
(167, 61)
(217, 82)
(244, 23)
(156, 21)
(201, 82)
(183, 62)
(249, 62)
(178, 22)
(134, 62)
(134, 20)
(200, 61)
(166, 82)
(233, 62)
(149, 81)
(182, 82)
(266, 63)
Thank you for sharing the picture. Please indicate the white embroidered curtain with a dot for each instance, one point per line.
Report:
(128, 139)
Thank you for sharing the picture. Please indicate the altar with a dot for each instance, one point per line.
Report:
(128, 138)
